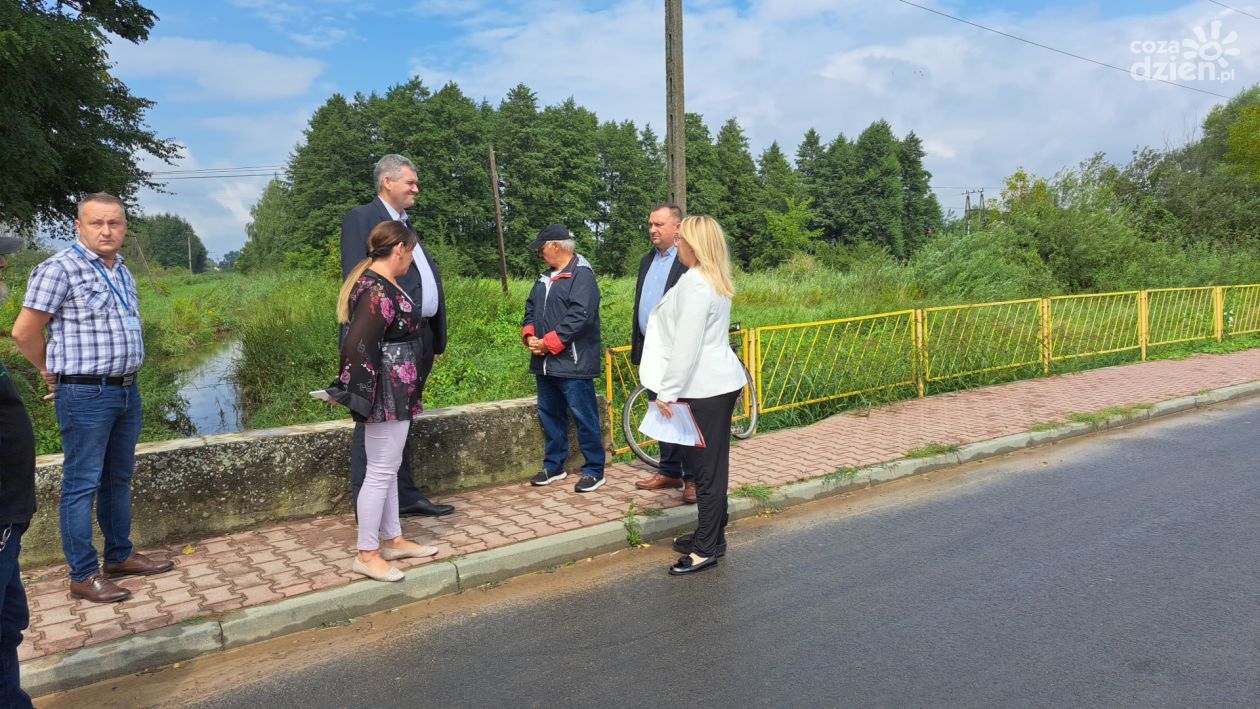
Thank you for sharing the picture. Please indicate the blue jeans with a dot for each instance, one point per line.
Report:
(557, 398)
(14, 617)
(100, 426)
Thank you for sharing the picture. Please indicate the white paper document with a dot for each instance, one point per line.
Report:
(322, 396)
(680, 429)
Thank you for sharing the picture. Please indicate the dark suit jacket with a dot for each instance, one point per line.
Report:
(356, 228)
(675, 272)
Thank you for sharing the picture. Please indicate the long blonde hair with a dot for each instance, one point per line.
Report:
(381, 242)
(713, 258)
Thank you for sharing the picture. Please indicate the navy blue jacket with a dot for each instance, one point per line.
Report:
(645, 263)
(566, 317)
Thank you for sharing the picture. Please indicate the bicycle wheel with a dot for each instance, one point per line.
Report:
(631, 414)
(744, 423)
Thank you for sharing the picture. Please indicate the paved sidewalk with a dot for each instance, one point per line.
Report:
(259, 567)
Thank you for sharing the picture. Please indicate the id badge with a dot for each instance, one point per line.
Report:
(131, 323)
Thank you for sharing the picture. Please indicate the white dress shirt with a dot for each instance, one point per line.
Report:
(428, 281)
(687, 349)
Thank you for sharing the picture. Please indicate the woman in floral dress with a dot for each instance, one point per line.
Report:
(378, 382)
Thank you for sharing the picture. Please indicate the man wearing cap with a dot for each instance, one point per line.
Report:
(87, 299)
(397, 185)
(659, 270)
(17, 505)
(561, 330)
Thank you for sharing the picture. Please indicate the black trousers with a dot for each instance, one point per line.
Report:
(711, 466)
(672, 456)
(408, 492)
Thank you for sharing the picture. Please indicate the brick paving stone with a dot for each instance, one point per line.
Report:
(93, 613)
(219, 593)
(142, 611)
(175, 597)
(102, 632)
(232, 571)
(181, 612)
(258, 595)
(296, 589)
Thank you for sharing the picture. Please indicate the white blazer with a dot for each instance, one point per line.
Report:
(687, 349)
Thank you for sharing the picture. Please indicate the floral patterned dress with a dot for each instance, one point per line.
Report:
(379, 380)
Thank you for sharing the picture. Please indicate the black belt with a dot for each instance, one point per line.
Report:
(124, 381)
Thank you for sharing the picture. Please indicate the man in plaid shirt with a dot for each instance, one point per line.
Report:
(87, 299)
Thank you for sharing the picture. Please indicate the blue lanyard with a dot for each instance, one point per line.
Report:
(122, 300)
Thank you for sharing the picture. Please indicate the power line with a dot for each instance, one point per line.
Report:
(1054, 49)
(1241, 12)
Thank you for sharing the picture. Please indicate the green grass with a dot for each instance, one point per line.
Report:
(932, 449)
(289, 341)
(1101, 416)
(758, 492)
(840, 475)
(1046, 426)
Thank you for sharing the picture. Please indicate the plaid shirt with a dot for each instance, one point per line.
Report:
(87, 333)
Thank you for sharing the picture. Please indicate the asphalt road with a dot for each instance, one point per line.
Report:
(1119, 570)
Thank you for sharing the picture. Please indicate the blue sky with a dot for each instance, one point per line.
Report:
(236, 80)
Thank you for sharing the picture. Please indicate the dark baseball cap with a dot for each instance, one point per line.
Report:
(555, 232)
(11, 245)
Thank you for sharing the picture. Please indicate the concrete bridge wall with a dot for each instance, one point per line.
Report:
(195, 488)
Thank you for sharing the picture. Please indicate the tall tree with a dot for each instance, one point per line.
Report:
(454, 213)
(704, 185)
(922, 211)
(740, 208)
(68, 127)
(169, 240)
(331, 173)
(270, 233)
(779, 182)
(521, 162)
(633, 183)
(880, 197)
(569, 132)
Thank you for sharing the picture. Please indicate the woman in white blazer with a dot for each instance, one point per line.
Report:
(687, 357)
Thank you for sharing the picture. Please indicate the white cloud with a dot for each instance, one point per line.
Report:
(983, 104)
(204, 70)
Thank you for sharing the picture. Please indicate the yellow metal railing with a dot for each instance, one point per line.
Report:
(809, 363)
(963, 340)
(1241, 310)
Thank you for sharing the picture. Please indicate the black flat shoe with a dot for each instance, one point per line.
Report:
(685, 565)
(426, 509)
(685, 544)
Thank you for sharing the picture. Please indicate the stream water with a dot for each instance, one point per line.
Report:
(205, 382)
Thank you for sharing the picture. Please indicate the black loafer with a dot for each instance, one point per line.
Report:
(685, 545)
(685, 565)
(425, 508)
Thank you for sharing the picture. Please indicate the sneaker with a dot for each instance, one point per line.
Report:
(588, 484)
(545, 478)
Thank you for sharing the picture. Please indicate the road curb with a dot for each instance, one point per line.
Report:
(74, 668)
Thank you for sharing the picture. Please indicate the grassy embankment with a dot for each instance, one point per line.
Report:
(289, 337)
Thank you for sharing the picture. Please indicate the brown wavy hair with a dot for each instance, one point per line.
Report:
(381, 242)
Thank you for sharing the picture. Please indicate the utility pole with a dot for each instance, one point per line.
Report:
(675, 113)
(189, 235)
(498, 220)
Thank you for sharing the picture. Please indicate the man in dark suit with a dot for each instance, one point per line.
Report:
(396, 188)
(658, 272)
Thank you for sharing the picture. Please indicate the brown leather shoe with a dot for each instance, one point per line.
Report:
(689, 493)
(98, 589)
(138, 565)
(659, 482)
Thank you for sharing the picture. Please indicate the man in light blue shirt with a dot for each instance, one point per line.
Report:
(659, 270)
